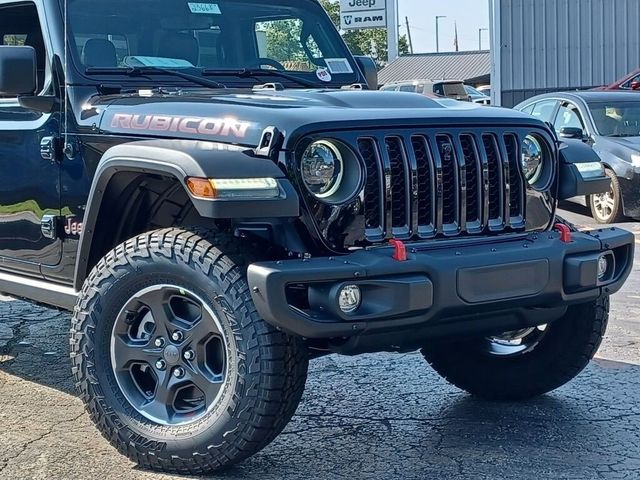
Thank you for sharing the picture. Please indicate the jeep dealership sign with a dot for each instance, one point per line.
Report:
(359, 14)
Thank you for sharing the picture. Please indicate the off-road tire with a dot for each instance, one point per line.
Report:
(617, 214)
(269, 370)
(563, 352)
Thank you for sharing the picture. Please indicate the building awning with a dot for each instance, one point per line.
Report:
(472, 67)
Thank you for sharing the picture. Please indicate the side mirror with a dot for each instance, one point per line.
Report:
(369, 69)
(635, 85)
(572, 132)
(17, 71)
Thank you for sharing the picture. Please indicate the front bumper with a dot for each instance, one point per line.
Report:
(498, 285)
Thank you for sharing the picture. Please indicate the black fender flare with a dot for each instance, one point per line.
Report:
(182, 159)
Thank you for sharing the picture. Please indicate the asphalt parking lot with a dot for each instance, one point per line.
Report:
(376, 416)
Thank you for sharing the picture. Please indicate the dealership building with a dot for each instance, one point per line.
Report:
(541, 46)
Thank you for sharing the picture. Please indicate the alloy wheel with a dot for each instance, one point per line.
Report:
(517, 342)
(604, 204)
(169, 355)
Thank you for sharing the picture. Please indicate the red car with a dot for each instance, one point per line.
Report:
(628, 82)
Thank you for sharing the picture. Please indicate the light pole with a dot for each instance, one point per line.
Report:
(438, 17)
(480, 30)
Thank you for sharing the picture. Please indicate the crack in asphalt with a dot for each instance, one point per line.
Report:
(41, 437)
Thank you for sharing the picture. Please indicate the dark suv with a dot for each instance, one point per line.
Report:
(214, 193)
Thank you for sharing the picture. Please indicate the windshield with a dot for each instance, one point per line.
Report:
(289, 35)
(616, 119)
(472, 91)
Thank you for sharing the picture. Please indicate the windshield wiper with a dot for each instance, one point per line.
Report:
(145, 71)
(258, 73)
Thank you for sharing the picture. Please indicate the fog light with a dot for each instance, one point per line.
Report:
(603, 266)
(349, 298)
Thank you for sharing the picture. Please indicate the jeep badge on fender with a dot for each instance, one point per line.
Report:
(218, 203)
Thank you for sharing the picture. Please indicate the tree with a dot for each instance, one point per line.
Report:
(372, 42)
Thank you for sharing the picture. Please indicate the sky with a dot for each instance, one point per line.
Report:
(470, 15)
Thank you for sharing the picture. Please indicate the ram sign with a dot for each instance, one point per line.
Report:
(359, 14)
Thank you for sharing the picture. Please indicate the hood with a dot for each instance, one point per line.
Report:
(622, 147)
(627, 142)
(240, 116)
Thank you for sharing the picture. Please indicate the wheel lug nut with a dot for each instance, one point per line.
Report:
(189, 355)
(161, 365)
(159, 342)
(177, 336)
(178, 372)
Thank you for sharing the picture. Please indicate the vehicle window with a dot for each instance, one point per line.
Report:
(472, 91)
(20, 25)
(568, 116)
(13, 39)
(627, 85)
(228, 34)
(450, 89)
(281, 40)
(616, 119)
(544, 110)
(529, 109)
(408, 88)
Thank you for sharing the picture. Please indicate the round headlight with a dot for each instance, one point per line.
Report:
(322, 168)
(532, 163)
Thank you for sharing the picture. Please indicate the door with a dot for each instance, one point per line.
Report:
(28, 183)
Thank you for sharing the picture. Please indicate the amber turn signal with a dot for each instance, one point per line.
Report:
(201, 187)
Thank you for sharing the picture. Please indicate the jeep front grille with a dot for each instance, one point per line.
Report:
(429, 184)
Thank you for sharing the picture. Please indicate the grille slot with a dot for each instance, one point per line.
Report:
(373, 196)
(450, 183)
(494, 167)
(400, 184)
(428, 184)
(516, 182)
(474, 185)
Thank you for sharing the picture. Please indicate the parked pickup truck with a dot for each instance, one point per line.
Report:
(213, 191)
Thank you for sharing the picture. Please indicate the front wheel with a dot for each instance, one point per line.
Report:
(174, 364)
(525, 363)
(606, 208)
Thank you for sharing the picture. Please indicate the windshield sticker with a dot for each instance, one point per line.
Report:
(338, 65)
(324, 75)
(205, 8)
(224, 127)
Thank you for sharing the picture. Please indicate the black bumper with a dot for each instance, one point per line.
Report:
(498, 285)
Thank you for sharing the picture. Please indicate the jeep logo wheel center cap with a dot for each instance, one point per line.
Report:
(171, 355)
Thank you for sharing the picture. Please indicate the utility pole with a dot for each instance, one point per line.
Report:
(409, 35)
(438, 17)
(480, 30)
(392, 30)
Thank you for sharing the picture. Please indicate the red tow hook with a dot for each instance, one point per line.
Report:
(565, 232)
(400, 253)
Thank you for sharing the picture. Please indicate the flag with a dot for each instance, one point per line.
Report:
(455, 39)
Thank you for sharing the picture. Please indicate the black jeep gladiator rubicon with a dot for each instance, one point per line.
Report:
(212, 189)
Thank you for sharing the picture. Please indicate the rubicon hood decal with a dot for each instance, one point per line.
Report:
(240, 118)
(223, 127)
